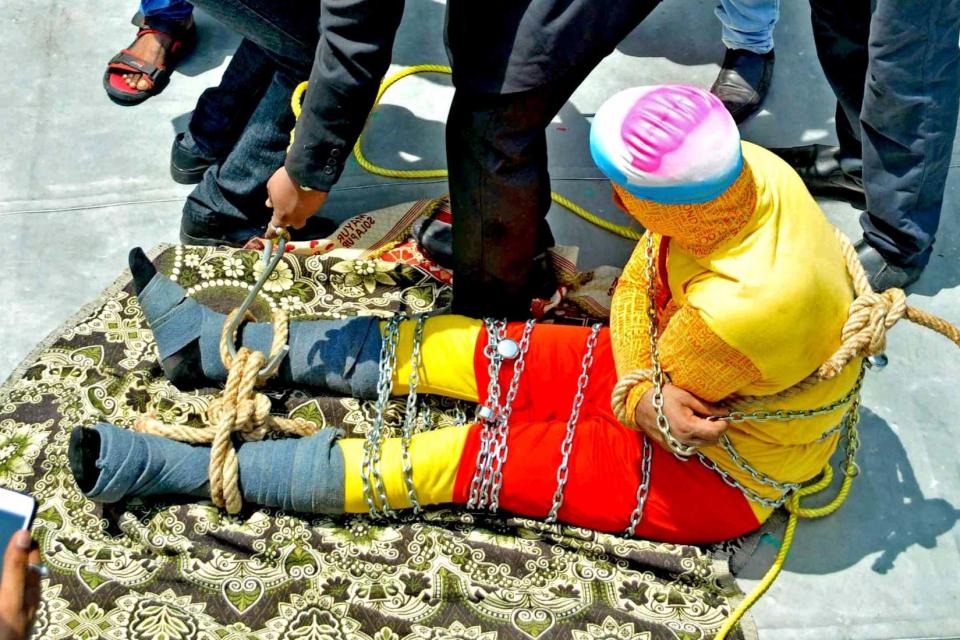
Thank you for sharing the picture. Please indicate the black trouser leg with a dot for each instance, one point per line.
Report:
(895, 68)
(222, 111)
(908, 123)
(500, 196)
(287, 31)
(840, 31)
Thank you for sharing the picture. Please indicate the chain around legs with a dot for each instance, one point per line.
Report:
(410, 415)
(370, 470)
(567, 445)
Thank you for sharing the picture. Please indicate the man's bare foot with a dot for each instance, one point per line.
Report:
(153, 48)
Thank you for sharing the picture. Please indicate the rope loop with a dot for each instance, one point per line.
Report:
(621, 391)
(864, 333)
(241, 411)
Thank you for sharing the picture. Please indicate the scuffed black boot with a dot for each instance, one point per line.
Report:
(826, 172)
(883, 274)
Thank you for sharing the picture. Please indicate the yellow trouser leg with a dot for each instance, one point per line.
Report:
(447, 350)
(446, 368)
(434, 456)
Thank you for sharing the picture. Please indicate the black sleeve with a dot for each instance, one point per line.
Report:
(353, 54)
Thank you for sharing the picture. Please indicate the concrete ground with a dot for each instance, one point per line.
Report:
(83, 180)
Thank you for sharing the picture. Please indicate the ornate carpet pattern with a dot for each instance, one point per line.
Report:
(168, 570)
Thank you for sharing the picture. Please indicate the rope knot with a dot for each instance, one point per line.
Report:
(240, 410)
(872, 314)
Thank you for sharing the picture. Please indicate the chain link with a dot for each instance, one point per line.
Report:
(658, 378)
(759, 476)
(567, 445)
(847, 424)
(748, 493)
(644, 489)
(496, 329)
(494, 417)
(370, 470)
(784, 415)
(410, 415)
(500, 449)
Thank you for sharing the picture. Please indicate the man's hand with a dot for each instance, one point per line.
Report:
(687, 415)
(19, 588)
(291, 205)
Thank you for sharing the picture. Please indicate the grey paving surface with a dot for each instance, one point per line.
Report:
(82, 180)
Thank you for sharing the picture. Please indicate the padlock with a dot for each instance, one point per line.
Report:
(508, 349)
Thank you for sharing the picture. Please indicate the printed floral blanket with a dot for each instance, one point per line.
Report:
(172, 570)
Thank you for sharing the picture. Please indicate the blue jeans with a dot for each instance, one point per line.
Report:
(748, 24)
(172, 10)
(223, 111)
(230, 200)
(253, 100)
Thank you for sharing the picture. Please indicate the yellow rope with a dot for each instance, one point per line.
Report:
(864, 333)
(420, 174)
(796, 512)
(240, 409)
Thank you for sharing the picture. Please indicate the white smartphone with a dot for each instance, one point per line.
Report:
(16, 512)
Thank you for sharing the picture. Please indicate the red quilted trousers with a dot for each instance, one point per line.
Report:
(687, 503)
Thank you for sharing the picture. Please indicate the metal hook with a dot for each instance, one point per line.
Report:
(271, 259)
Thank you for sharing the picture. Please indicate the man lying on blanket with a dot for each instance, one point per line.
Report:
(749, 296)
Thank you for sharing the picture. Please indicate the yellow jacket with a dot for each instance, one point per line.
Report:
(751, 301)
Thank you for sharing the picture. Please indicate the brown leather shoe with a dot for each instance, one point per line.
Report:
(743, 81)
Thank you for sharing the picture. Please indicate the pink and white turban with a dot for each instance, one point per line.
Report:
(672, 144)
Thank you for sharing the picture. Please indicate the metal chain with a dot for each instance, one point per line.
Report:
(850, 417)
(784, 415)
(567, 445)
(410, 415)
(644, 489)
(370, 469)
(748, 493)
(850, 466)
(848, 423)
(500, 449)
(759, 476)
(658, 378)
(496, 329)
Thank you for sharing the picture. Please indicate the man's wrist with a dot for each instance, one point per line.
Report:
(317, 170)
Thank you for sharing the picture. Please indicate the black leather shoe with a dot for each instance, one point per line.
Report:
(187, 166)
(435, 239)
(743, 81)
(225, 231)
(822, 170)
(882, 274)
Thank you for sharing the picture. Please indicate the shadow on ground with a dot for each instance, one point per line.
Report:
(886, 513)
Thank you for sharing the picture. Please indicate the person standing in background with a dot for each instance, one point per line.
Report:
(514, 66)
(895, 69)
(747, 69)
(166, 35)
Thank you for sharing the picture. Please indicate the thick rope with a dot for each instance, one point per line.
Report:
(618, 399)
(420, 174)
(864, 334)
(239, 410)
